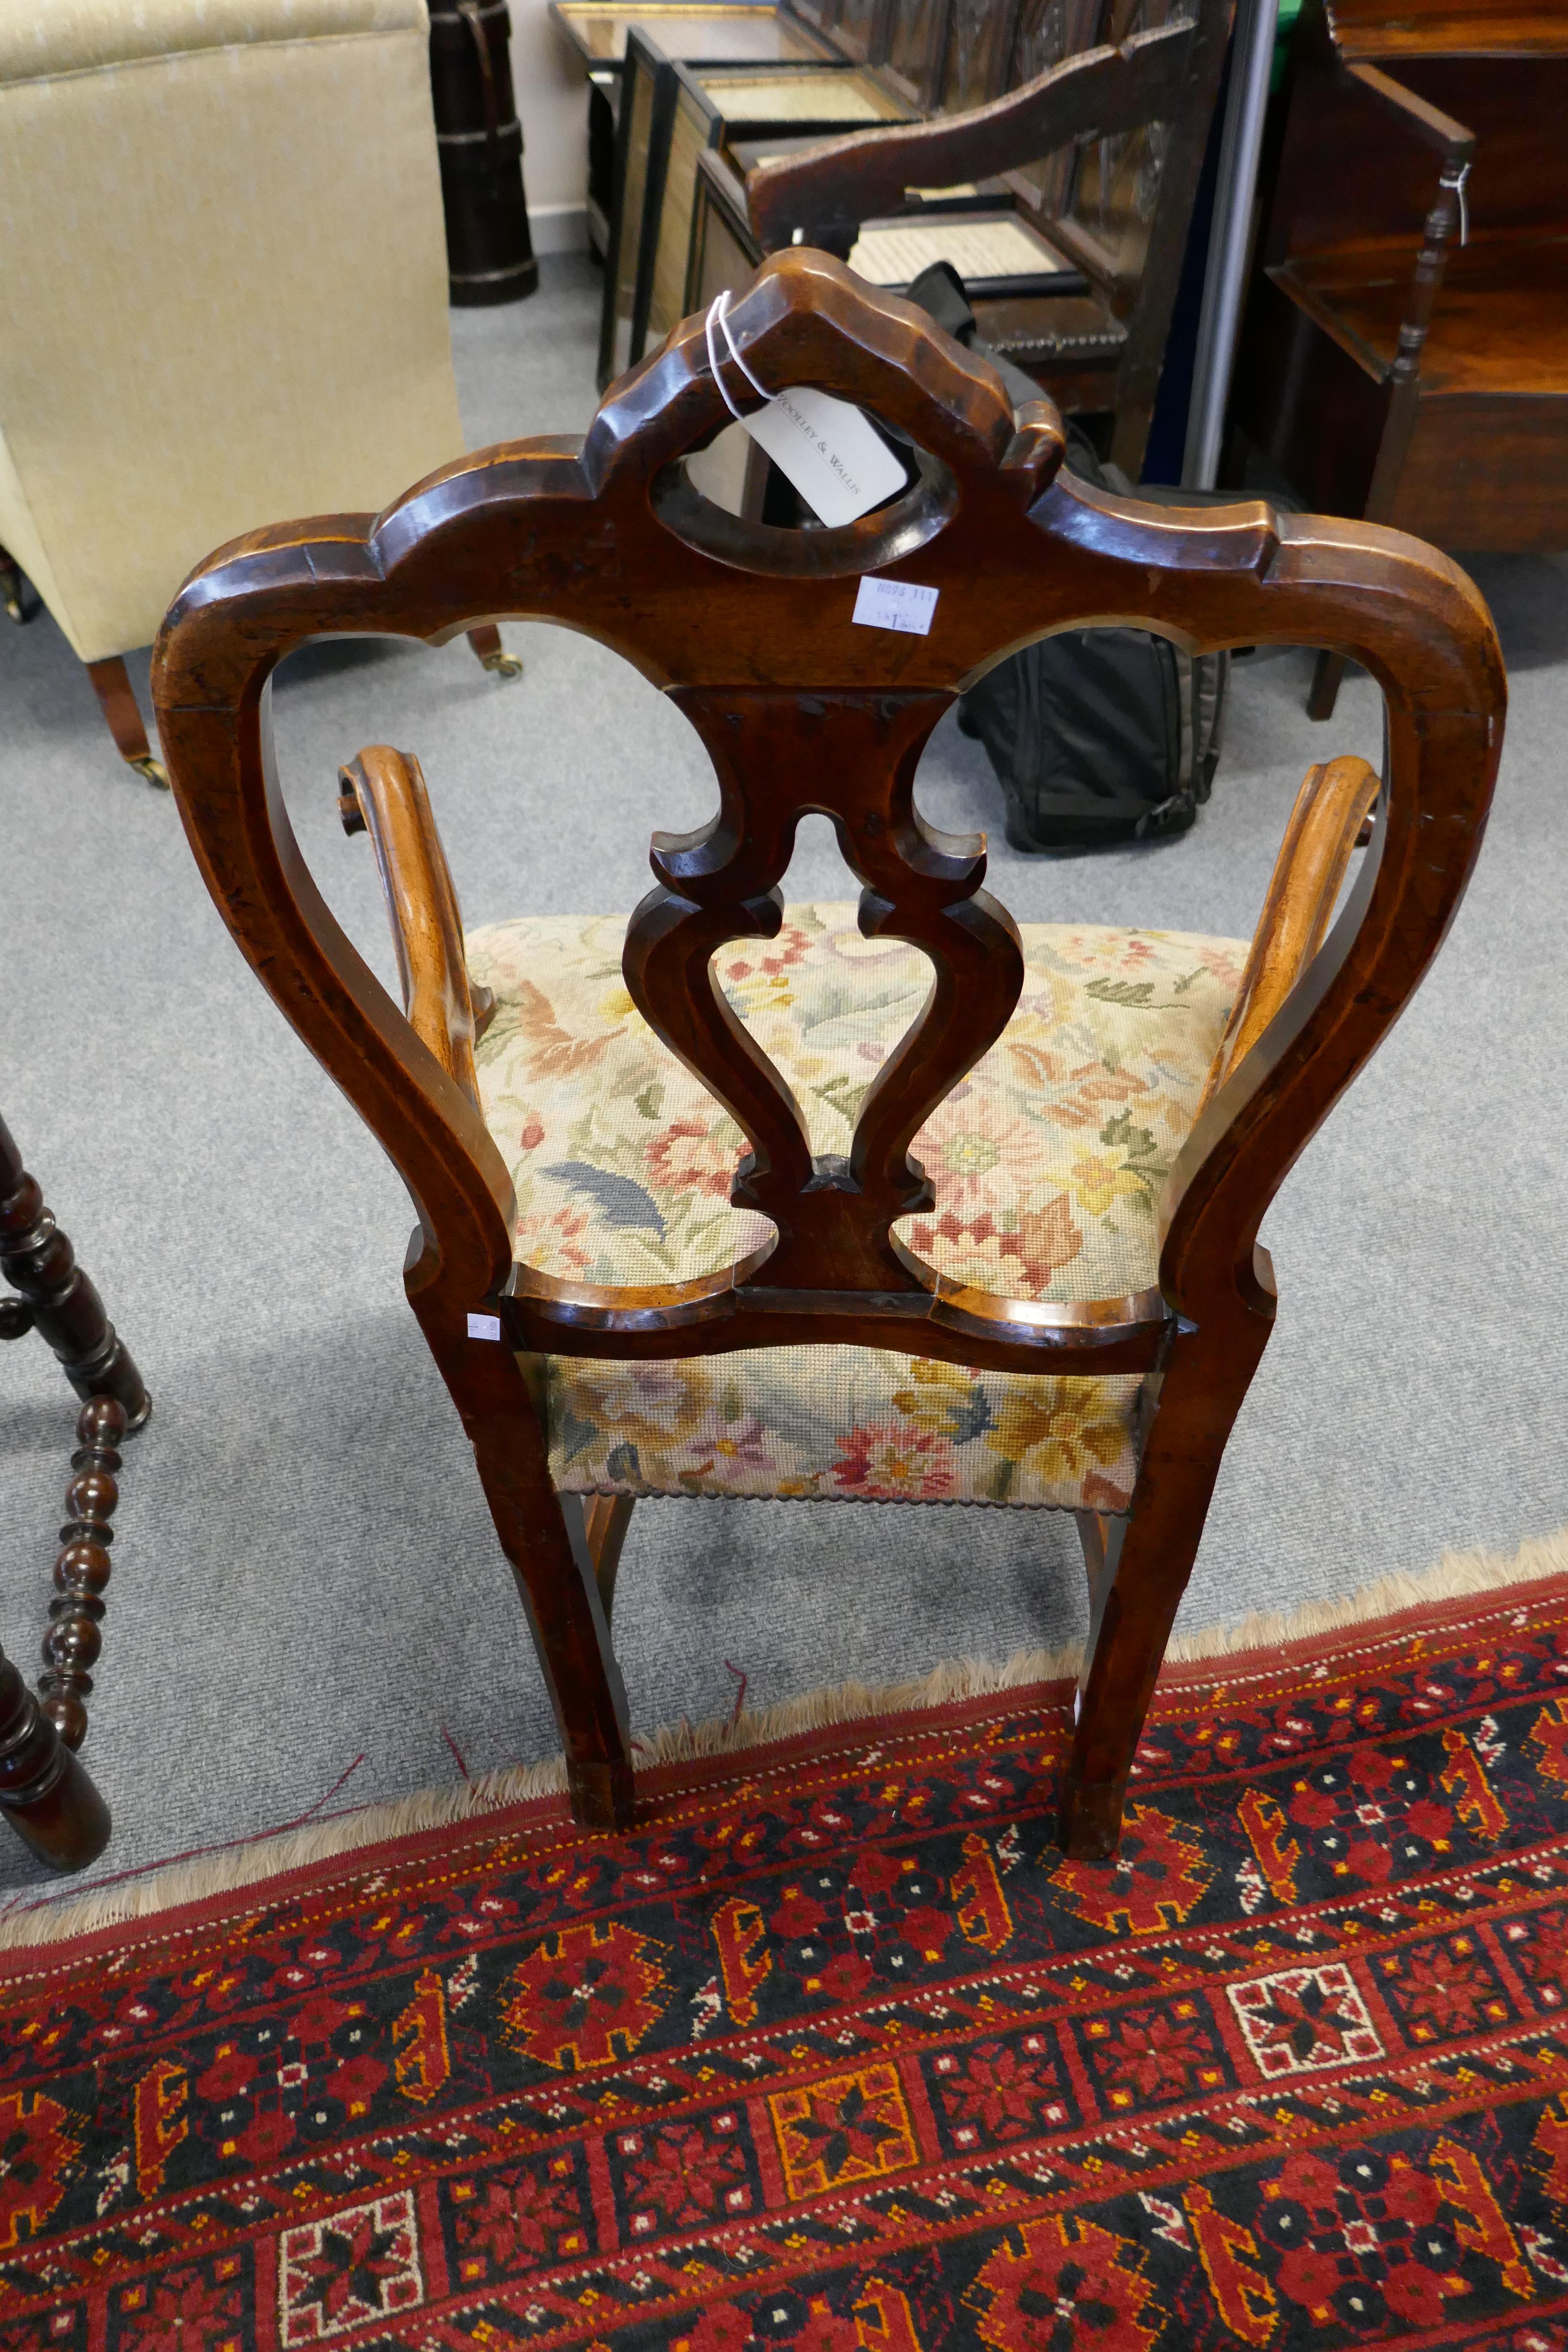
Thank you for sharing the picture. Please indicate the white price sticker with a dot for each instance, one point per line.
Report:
(483, 1326)
(895, 605)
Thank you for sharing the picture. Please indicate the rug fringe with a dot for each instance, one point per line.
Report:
(1457, 1576)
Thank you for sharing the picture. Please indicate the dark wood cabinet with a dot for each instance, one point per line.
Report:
(1404, 354)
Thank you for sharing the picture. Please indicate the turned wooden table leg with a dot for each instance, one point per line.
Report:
(73, 1642)
(117, 700)
(57, 1300)
(487, 644)
(46, 1794)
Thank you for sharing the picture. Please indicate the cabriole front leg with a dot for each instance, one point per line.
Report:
(1135, 1589)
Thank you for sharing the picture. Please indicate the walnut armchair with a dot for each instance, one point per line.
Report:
(711, 1314)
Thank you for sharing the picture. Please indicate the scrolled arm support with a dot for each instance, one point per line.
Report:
(1331, 808)
(386, 793)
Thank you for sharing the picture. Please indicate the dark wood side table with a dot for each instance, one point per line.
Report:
(46, 1794)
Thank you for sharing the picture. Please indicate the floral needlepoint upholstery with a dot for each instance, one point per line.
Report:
(1046, 1164)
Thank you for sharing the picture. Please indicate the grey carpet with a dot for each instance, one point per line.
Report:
(304, 1569)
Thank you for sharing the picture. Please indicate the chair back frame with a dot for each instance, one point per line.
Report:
(803, 712)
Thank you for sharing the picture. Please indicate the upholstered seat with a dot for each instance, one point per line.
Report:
(1046, 1162)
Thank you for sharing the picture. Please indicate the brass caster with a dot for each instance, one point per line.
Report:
(152, 770)
(14, 609)
(503, 665)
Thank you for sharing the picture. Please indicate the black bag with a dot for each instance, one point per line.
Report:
(1097, 736)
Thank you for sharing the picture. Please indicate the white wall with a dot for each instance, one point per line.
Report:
(552, 100)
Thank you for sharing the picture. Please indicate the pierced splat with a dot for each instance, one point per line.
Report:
(853, 760)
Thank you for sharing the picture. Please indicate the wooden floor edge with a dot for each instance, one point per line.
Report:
(226, 1869)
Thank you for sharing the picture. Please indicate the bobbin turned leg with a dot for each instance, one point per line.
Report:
(57, 1299)
(45, 1793)
(487, 644)
(73, 1642)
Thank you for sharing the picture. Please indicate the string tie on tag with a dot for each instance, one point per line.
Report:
(1456, 180)
(716, 317)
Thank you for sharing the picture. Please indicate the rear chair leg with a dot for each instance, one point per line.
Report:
(116, 700)
(1138, 1570)
(597, 1525)
(493, 655)
(1327, 679)
(566, 1618)
(494, 1393)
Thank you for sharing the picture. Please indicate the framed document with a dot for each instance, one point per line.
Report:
(994, 253)
(647, 99)
(710, 105)
(724, 250)
(829, 100)
(743, 33)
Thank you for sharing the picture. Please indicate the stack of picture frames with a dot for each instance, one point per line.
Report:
(671, 114)
(1049, 149)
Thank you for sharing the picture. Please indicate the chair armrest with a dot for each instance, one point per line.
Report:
(822, 197)
(1357, 160)
(1330, 809)
(1428, 123)
(384, 794)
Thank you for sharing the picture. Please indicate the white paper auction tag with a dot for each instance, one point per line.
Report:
(824, 447)
(895, 605)
(483, 1326)
(826, 450)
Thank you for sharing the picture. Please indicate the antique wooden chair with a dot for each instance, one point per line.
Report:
(1102, 149)
(607, 1323)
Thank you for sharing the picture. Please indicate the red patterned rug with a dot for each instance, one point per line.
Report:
(837, 2053)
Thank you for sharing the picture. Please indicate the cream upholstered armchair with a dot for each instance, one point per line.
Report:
(223, 294)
